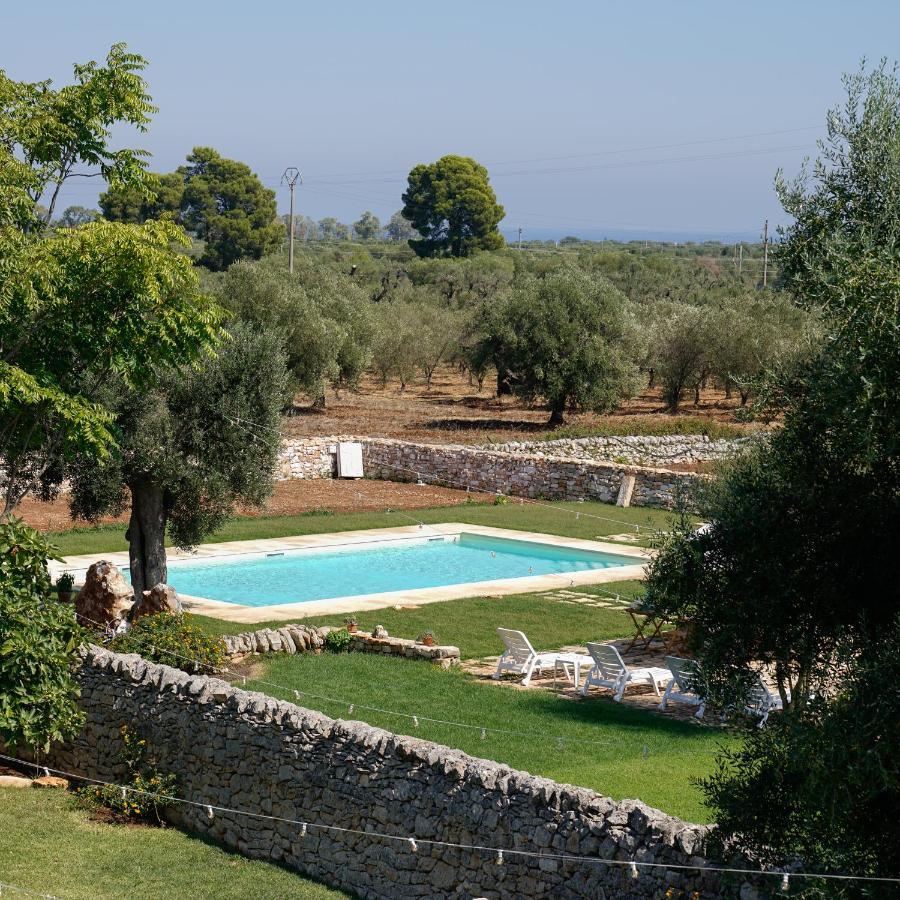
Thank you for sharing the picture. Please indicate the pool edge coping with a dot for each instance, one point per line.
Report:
(235, 612)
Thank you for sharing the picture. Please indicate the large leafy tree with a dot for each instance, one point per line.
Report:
(80, 305)
(453, 207)
(128, 203)
(799, 567)
(53, 135)
(228, 207)
(568, 339)
(192, 447)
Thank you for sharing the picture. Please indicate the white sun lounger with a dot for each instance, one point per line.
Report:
(610, 671)
(522, 659)
(761, 701)
(683, 685)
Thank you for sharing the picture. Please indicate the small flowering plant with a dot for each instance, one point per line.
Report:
(141, 796)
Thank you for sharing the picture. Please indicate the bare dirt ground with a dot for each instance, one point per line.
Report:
(453, 411)
(450, 411)
(290, 498)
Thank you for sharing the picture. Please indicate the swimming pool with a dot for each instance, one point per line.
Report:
(302, 575)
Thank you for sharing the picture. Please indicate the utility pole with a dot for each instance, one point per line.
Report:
(741, 259)
(765, 253)
(520, 237)
(291, 176)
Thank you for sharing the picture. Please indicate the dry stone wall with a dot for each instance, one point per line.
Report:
(650, 450)
(247, 751)
(299, 638)
(521, 473)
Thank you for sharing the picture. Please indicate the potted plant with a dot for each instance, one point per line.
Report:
(64, 585)
(427, 639)
(352, 624)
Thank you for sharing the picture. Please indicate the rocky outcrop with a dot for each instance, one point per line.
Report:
(160, 598)
(105, 599)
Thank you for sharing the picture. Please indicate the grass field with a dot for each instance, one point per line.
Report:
(603, 742)
(471, 623)
(50, 847)
(617, 750)
(593, 520)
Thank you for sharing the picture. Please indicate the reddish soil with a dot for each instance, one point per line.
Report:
(290, 498)
(453, 411)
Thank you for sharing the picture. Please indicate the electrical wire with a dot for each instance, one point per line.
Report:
(498, 852)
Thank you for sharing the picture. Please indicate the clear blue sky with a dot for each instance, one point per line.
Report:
(355, 93)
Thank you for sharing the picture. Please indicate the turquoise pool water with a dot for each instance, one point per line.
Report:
(301, 575)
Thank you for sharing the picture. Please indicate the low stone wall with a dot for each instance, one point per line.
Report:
(522, 475)
(304, 638)
(652, 450)
(518, 474)
(308, 458)
(247, 751)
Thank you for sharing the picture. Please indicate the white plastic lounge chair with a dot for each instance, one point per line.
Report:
(761, 701)
(683, 685)
(522, 659)
(610, 671)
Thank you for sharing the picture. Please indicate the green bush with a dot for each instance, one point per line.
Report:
(144, 777)
(337, 641)
(169, 639)
(39, 640)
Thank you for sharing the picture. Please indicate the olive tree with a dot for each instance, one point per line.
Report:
(192, 447)
(322, 316)
(568, 339)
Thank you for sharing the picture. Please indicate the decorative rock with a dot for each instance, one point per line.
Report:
(379, 631)
(160, 598)
(50, 781)
(14, 781)
(105, 598)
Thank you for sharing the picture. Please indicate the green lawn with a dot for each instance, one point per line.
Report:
(49, 846)
(556, 518)
(471, 623)
(677, 752)
(632, 752)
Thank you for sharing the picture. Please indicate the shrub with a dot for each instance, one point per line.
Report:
(65, 583)
(169, 639)
(39, 640)
(144, 778)
(337, 641)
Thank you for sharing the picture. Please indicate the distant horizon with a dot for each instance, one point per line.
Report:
(597, 120)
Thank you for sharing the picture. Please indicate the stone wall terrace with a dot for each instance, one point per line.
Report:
(249, 752)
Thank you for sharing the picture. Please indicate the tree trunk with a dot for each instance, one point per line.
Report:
(556, 416)
(146, 536)
(319, 402)
(503, 386)
(727, 388)
(651, 380)
(745, 396)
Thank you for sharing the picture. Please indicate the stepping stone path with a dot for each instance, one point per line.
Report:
(580, 598)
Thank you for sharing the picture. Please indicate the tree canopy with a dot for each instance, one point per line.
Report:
(453, 207)
(79, 305)
(160, 194)
(367, 227)
(197, 442)
(568, 339)
(798, 569)
(226, 206)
